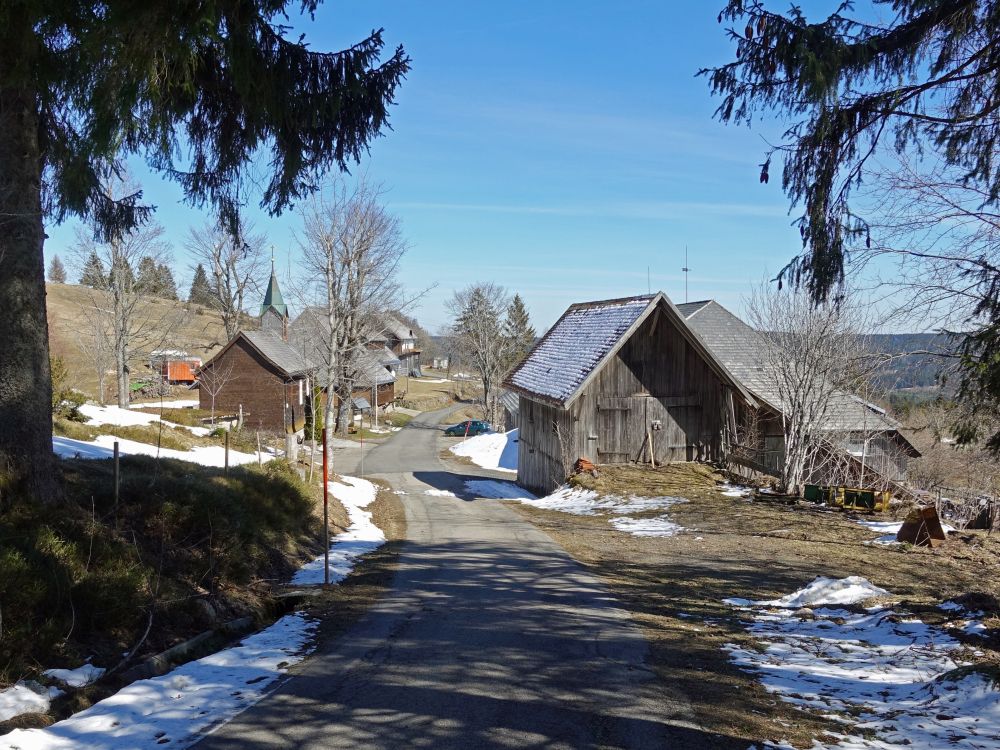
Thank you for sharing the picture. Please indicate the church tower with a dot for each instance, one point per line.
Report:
(274, 311)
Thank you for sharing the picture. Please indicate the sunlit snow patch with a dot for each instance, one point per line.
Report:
(362, 535)
(493, 450)
(172, 709)
(76, 678)
(656, 526)
(25, 698)
(493, 488)
(890, 676)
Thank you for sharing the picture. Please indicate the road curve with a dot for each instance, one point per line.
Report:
(490, 637)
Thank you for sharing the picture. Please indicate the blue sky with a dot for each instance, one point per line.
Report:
(558, 149)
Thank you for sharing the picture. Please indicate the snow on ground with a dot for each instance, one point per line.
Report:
(362, 535)
(76, 678)
(440, 493)
(492, 450)
(889, 530)
(498, 490)
(185, 403)
(172, 709)
(25, 698)
(103, 447)
(882, 672)
(581, 502)
(735, 490)
(822, 590)
(656, 526)
(98, 415)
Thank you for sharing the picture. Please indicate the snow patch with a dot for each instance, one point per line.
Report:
(656, 526)
(583, 502)
(76, 678)
(440, 493)
(103, 447)
(172, 709)
(98, 415)
(883, 674)
(186, 403)
(492, 450)
(822, 590)
(361, 537)
(25, 698)
(498, 490)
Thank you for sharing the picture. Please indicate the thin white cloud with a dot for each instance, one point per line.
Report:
(653, 210)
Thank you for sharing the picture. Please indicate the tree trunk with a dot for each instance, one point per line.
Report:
(25, 380)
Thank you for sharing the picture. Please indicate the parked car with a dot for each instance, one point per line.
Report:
(469, 427)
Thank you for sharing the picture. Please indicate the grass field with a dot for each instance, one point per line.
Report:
(674, 586)
(190, 328)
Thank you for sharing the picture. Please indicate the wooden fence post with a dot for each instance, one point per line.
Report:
(227, 452)
(117, 475)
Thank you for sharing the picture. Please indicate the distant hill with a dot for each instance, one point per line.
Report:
(914, 370)
(192, 328)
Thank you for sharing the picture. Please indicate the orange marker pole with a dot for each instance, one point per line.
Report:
(326, 514)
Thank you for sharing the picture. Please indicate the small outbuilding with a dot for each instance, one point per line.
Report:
(621, 380)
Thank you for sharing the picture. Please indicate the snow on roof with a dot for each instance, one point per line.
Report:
(578, 342)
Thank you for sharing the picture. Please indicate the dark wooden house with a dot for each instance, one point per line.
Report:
(259, 375)
(616, 380)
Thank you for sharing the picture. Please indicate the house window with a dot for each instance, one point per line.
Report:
(300, 393)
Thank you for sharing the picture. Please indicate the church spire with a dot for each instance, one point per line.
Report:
(272, 297)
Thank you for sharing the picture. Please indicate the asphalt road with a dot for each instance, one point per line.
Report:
(491, 637)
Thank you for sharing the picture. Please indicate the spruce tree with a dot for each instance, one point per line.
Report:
(146, 276)
(57, 271)
(93, 273)
(86, 86)
(518, 330)
(165, 284)
(201, 290)
(917, 79)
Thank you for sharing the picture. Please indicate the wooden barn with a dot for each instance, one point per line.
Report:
(258, 373)
(619, 380)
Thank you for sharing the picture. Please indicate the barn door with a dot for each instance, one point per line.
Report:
(621, 427)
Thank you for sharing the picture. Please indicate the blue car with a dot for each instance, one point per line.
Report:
(469, 427)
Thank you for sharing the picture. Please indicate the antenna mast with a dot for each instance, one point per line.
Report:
(686, 271)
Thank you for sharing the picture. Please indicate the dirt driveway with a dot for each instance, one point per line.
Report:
(731, 547)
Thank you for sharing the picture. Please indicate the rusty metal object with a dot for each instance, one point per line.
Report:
(922, 528)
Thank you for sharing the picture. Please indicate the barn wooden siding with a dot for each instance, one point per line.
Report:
(656, 376)
(260, 388)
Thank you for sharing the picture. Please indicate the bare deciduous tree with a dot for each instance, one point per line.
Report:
(352, 246)
(233, 265)
(95, 341)
(121, 301)
(478, 312)
(213, 381)
(811, 358)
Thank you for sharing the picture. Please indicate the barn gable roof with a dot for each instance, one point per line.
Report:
(737, 345)
(588, 334)
(275, 351)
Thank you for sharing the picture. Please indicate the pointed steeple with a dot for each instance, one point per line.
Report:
(272, 298)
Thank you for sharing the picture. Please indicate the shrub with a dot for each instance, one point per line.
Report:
(79, 579)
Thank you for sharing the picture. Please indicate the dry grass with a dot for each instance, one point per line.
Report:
(472, 411)
(193, 328)
(753, 550)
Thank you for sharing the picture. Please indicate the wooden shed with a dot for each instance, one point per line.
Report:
(258, 372)
(616, 381)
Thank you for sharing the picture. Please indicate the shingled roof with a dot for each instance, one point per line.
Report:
(739, 347)
(585, 337)
(273, 349)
